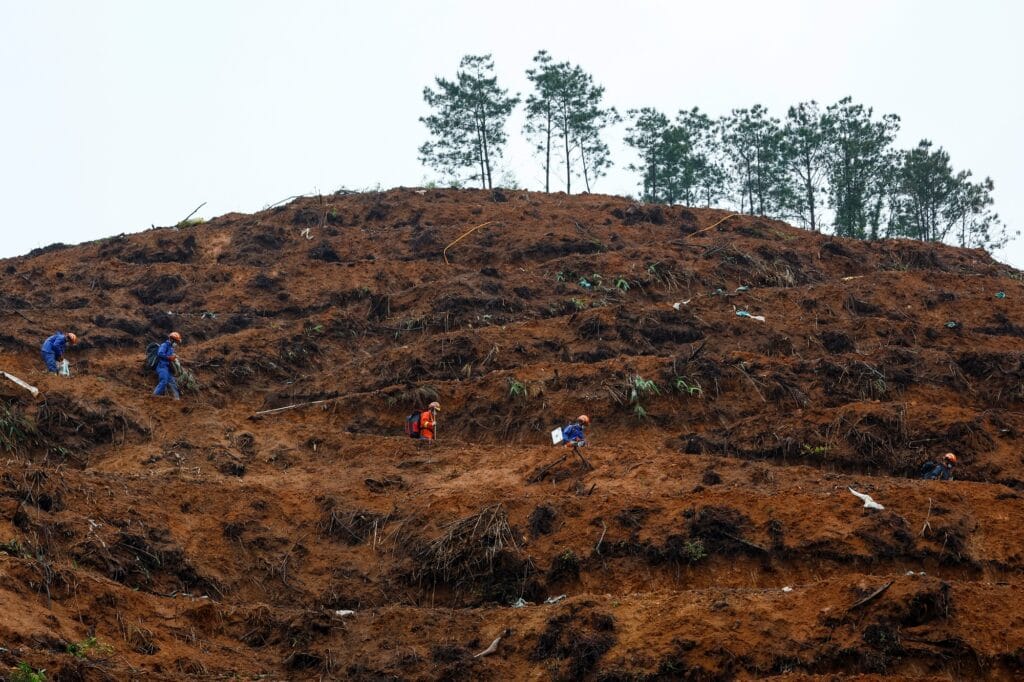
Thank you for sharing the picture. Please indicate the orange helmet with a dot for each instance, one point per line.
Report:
(174, 336)
(583, 419)
(434, 406)
(72, 338)
(949, 457)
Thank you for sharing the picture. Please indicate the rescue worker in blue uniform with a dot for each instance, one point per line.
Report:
(53, 349)
(165, 355)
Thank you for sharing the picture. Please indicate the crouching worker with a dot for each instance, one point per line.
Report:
(165, 355)
(423, 424)
(573, 433)
(941, 470)
(53, 349)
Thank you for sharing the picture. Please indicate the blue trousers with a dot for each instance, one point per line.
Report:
(166, 381)
(51, 360)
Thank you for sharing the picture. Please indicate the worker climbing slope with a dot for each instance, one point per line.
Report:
(165, 355)
(428, 421)
(54, 347)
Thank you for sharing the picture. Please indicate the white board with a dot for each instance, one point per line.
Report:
(556, 436)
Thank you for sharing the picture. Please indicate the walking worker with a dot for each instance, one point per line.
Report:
(165, 355)
(573, 433)
(428, 421)
(53, 349)
(940, 471)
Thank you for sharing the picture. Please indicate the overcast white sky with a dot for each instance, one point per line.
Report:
(121, 114)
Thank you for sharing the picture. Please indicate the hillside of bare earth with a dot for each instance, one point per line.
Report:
(715, 538)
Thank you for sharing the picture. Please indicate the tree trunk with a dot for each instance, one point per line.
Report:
(487, 157)
(565, 136)
(547, 159)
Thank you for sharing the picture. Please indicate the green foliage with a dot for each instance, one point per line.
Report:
(186, 378)
(311, 330)
(565, 110)
(693, 551)
(87, 645)
(16, 430)
(622, 284)
(579, 303)
(467, 123)
(932, 203)
(640, 388)
(26, 673)
(815, 450)
(859, 165)
(516, 388)
(683, 385)
(14, 548)
(753, 142)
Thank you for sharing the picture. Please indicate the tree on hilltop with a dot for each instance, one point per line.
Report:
(467, 125)
(566, 106)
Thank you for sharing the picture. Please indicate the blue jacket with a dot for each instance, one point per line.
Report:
(56, 344)
(935, 471)
(573, 432)
(164, 355)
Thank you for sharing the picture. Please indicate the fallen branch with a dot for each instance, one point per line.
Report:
(871, 597)
(540, 474)
(926, 525)
(296, 405)
(604, 529)
(185, 219)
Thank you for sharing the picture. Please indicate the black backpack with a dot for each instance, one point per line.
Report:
(412, 425)
(151, 358)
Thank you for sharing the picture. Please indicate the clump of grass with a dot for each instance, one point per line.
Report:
(26, 673)
(517, 389)
(688, 386)
(640, 388)
(16, 430)
(87, 645)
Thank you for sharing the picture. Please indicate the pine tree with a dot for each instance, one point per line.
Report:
(566, 105)
(859, 161)
(752, 140)
(660, 146)
(468, 123)
(804, 156)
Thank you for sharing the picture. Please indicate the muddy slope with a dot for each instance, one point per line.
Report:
(715, 538)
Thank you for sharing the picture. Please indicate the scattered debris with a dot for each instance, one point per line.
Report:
(787, 588)
(952, 325)
(741, 289)
(744, 313)
(554, 600)
(492, 648)
(520, 603)
(1000, 295)
(868, 501)
(871, 597)
(25, 385)
(678, 304)
(344, 613)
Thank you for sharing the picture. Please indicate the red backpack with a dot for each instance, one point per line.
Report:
(412, 425)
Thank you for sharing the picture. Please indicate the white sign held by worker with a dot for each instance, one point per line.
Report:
(556, 436)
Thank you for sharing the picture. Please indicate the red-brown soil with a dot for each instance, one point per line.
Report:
(714, 539)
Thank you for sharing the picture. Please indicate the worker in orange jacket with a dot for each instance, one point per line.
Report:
(428, 421)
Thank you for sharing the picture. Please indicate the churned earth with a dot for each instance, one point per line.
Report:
(715, 537)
